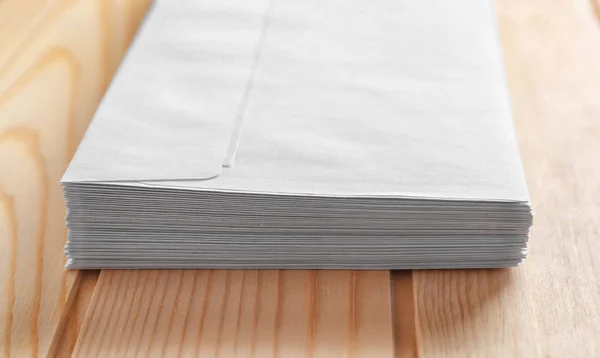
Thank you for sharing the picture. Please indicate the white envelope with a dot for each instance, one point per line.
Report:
(316, 97)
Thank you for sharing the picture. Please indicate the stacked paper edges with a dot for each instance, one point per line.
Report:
(291, 135)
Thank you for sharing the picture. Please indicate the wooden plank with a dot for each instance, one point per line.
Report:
(550, 306)
(239, 313)
(56, 59)
(405, 336)
(66, 342)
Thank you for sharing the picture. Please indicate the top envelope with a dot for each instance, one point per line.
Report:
(315, 97)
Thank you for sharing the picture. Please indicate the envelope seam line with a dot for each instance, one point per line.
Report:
(243, 106)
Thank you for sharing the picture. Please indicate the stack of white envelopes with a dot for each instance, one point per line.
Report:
(303, 134)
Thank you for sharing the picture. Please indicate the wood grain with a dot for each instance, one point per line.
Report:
(56, 59)
(550, 306)
(405, 336)
(66, 341)
(239, 313)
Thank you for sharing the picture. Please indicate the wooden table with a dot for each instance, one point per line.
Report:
(57, 58)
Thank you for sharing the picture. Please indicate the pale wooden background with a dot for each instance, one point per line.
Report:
(56, 60)
(57, 57)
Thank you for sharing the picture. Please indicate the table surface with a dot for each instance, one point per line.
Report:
(57, 58)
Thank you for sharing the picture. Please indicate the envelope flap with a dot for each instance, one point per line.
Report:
(170, 110)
